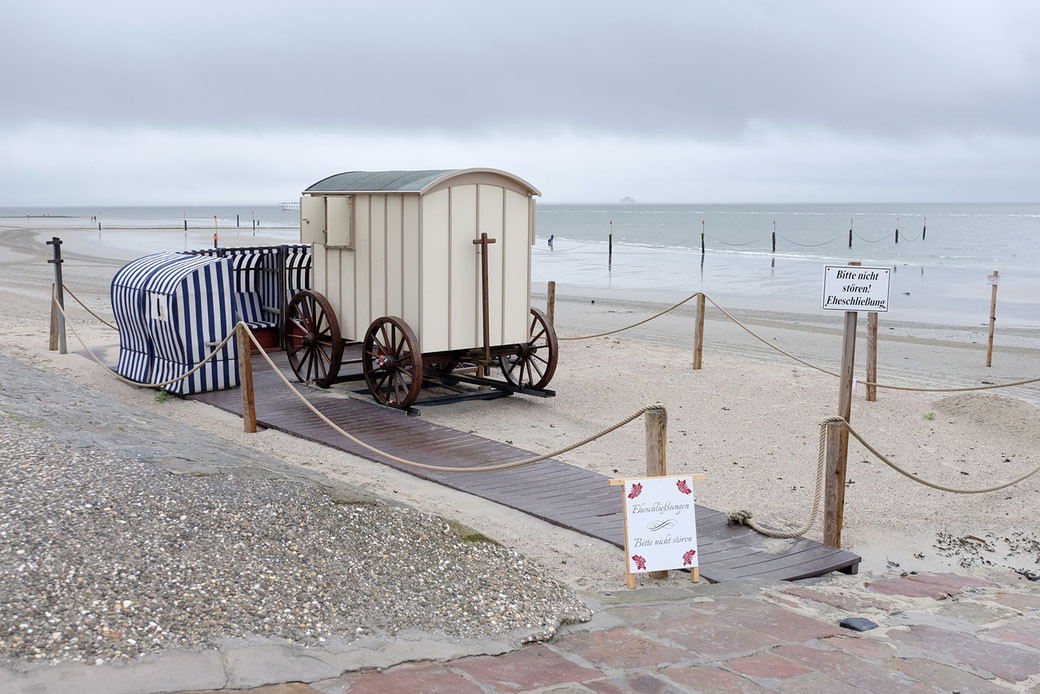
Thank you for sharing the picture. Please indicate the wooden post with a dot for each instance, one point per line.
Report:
(656, 466)
(483, 242)
(872, 325)
(550, 303)
(245, 379)
(53, 346)
(838, 439)
(774, 236)
(702, 237)
(992, 317)
(698, 333)
(924, 229)
(610, 244)
(850, 231)
(59, 288)
(897, 234)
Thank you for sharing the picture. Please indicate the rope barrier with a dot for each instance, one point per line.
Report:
(744, 516)
(811, 245)
(87, 308)
(869, 240)
(728, 243)
(801, 361)
(138, 383)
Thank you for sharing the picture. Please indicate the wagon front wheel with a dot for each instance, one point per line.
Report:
(312, 339)
(534, 363)
(392, 362)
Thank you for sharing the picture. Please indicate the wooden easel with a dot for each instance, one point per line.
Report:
(630, 579)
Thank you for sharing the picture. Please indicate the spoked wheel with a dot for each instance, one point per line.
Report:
(312, 339)
(534, 363)
(392, 362)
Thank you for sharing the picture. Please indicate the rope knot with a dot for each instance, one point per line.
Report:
(740, 517)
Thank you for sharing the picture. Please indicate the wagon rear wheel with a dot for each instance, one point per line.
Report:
(392, 362)
(312, 339)
(534, 363)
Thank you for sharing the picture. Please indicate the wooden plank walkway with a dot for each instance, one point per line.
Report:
(562, 494)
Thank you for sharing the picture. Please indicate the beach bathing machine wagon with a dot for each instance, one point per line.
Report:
(424, 271)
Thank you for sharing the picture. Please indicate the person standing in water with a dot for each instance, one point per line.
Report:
(551, 236)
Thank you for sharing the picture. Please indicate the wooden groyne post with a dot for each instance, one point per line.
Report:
(850, 232)
(610, 244)
(774, 236)
(698, 333)
(550, 303)
(994, 279)
(59, 292)
(872, 326)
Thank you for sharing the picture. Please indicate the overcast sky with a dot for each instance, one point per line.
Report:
(197, 102)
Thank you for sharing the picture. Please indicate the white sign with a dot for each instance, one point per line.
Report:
(856, 288)
(993, 279)
(660, 524)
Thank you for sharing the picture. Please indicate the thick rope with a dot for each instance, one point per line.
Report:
(801, 361)
(914, 477)
(743, 516)
(810, 245)
(442, 468)
(138, 383)
(87, 308)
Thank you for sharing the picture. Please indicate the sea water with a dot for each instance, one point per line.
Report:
(941, 262)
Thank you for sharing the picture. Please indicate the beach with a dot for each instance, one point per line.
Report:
(748, 419)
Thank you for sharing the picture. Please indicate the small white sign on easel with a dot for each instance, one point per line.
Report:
(660, 526)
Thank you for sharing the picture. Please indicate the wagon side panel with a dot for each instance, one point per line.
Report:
(491, 219)
(434, 272)
(394, 257)
(410, 260)
(516, 269)
(377, 257)
(363, 263)
(464, 296)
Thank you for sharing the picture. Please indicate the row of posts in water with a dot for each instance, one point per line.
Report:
(610, 237)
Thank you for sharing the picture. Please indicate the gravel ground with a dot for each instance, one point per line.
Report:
(103, 556)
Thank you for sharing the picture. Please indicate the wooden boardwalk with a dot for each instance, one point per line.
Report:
(562, 494)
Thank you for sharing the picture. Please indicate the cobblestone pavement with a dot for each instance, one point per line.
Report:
(936, 633)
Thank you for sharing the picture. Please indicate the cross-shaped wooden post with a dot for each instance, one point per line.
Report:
(483, 242)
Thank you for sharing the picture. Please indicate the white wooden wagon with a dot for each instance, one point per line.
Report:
(425, 270)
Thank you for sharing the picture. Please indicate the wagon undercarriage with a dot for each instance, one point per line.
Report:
(390, 360)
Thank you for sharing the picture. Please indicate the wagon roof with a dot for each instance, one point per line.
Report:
(400, 181)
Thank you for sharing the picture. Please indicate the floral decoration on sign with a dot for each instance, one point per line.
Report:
(637, 489)
(687, 558)
(683, 487)
(640, 561)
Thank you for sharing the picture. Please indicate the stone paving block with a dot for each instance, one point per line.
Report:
(774, 621)
(1023, 602)
(620, 648)
(1025, 632)
(528, 668)
(975, 612)
(643, 683)
(767, 665)
(851, 670)
(718, 640)
(252, 666)
(820, 684)
(429, 678)
(604, 686)
(1012, 663)
(866, 647)
(290, 688)
(911, 589)
(944, 677)
(951, 581)
(843, 599)
(709, 679)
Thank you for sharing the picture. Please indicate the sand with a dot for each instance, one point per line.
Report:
(748, 420)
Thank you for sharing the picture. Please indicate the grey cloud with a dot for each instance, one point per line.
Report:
(682, 69)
